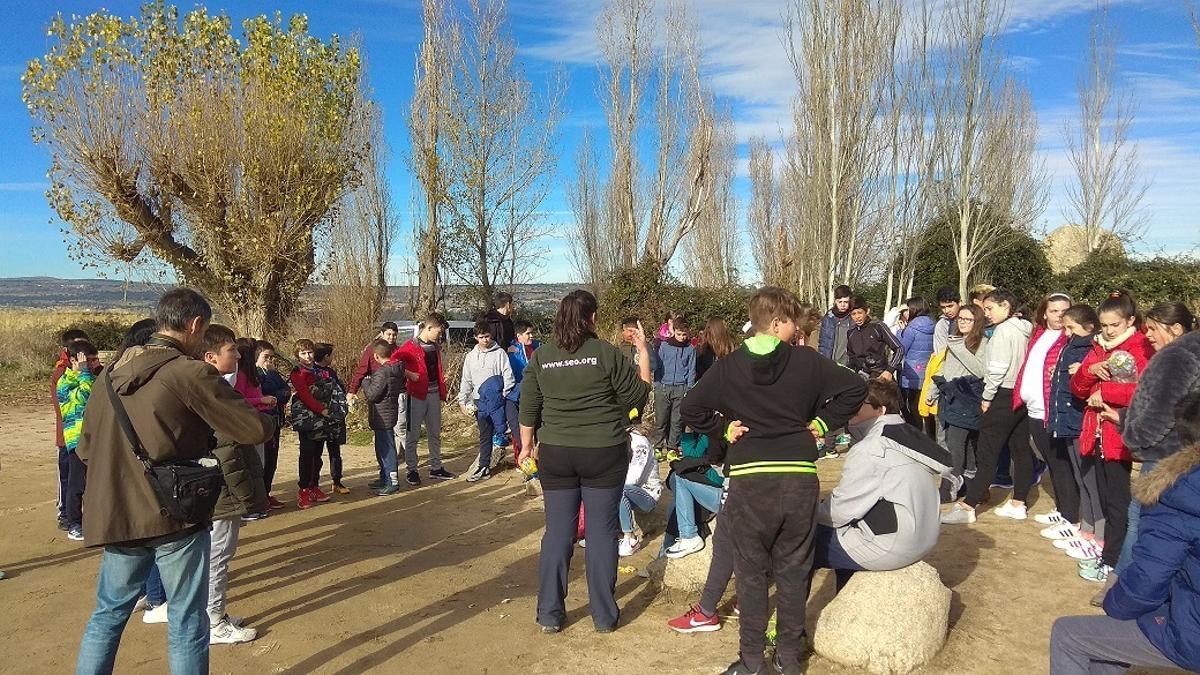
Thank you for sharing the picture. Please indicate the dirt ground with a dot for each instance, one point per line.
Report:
(442, 579)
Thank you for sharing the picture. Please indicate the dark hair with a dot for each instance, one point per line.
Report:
(382, 348)
(715, 339)
(630, 322)
(501, 298)
(948, 294)
(573, 320)
(82, 347)
(859, 302)
(389, 325)
(70, 335)
(1120, 302)
(521, 326)
(1002, 296)
(681, 323)
(261, 346)
(247, 355)
(304, 345)
(179, 306)
(842, 291)
(770, 303)
(1039, 314)
(974, 337)
(137, 336)
(322, 351)
(1187, 419)
(1171, 313)
(917, 306)
(883, 394)
(433, 318)
(1083, 315)
(217, 336)
(481, 328)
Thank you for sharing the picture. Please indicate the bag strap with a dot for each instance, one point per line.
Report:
(135, 443)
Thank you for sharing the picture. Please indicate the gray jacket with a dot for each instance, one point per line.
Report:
(479, 366)
(892, 468)
(1004, 355)
(383, 391)
(960, 362)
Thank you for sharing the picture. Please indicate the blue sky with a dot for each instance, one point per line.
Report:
(745, 63)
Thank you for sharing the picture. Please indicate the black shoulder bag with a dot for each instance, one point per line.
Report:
(186, 491)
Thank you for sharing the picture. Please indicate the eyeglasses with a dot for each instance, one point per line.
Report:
(963, 319)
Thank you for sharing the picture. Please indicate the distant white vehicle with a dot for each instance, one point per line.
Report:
(459, 332)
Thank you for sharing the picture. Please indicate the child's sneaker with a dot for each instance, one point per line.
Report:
(412, 478)
(251, 517)
(695, 621)
(843, 440)
(482, 473)
(75, 533)
(1010, 510)
(304, 499)
(225, 632)
(441, 474)
(1081, 549)
(156, 614)
(1060, 531)
(957, 515)
(318, 496)
(377, 485)
(1051, 518)
(341, 489)
(685, 547)
(830, 453)
(1098, 574)
(628, 546)
(388, 490)
(274, 504)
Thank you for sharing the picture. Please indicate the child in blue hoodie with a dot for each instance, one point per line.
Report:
(487, 380)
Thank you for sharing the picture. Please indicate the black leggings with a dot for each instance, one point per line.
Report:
(998, 426)
(1113, 479)
(1062, 472)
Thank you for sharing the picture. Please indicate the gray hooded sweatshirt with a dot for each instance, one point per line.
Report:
(1004, 354)
(479, 365)
(886, 508)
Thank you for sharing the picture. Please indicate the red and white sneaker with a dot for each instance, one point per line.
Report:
(694, 621)
(317, 495)
(303, 499)
(274, 504)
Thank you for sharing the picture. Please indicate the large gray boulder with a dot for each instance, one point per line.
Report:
(682, 579)
(886, 622)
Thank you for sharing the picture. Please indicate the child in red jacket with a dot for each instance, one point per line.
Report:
(311, 418)
(1107, 379)
(426, 394)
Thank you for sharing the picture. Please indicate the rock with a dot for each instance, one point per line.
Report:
(1066, 247)
(682, 578)
(886, 622)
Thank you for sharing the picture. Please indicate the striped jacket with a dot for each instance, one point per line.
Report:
(74, 388)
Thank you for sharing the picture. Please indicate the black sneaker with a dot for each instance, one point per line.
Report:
(63, 524)
(413, 478)
(482, 473)
(782, 668)
(376, 485)
(441, 474)
(739, 667)
(250, 517)
(388, 490)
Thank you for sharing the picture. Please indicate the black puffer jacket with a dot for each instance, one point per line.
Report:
(244, 491)
(384, 389)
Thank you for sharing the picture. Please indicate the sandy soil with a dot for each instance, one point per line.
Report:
(442, 579)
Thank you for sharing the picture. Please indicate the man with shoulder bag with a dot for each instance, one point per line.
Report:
(147, 441)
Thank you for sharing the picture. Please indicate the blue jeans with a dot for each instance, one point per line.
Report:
(385, 454)
(155, 593)
(1135, 514)
(687, 495)
(123, 569)
(632, 498)
(490, 423)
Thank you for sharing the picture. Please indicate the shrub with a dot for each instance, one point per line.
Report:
(1150, 281)
(648, 292)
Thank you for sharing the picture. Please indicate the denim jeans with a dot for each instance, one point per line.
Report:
(489, 423)
(634, 497)
(687, 495)
(155, 593)
(385, 453)
(123, 569)
(1131, 530)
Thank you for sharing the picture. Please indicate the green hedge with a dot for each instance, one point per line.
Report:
(648, 292)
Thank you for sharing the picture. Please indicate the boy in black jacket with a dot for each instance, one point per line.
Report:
(871, 348)
(771, 401)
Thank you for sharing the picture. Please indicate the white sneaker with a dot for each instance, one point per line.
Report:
(1009, 510)
(140, 605)
(156, 614)
(1051, 518)
(226, 633)
(582, 543)
(1060, 531)
(629, 546)
(957, 515)
(1081, 549)
(685, 547)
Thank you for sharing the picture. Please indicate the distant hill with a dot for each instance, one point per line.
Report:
(50, 292)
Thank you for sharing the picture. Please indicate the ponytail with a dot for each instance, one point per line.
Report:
(1172, 313)
(573, 320)
(1122, 303)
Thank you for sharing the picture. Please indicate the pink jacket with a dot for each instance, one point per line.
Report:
(251, 393)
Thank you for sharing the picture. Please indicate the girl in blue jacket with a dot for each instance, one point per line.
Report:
(917, 340)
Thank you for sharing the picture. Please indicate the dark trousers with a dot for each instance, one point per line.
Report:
(912, 401)
(310, 461)
(64, 471)
(1062, 472)
(270, 460)
(1002, 425)
(490, 424)
(829, 555)
(335, 462)
(668, 401)
(773, 528)
(595, 477)
(76, 483)
(1100, 645)
(963, 445)
(720, 569)
(512, 414)
(1113, 479)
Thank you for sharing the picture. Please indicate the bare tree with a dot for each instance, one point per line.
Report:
(768, 234)
(501, 157)
(989, 179)
(594, 251)
(711, 253)
(184, 147)
(430, 130)
(1105, 197)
